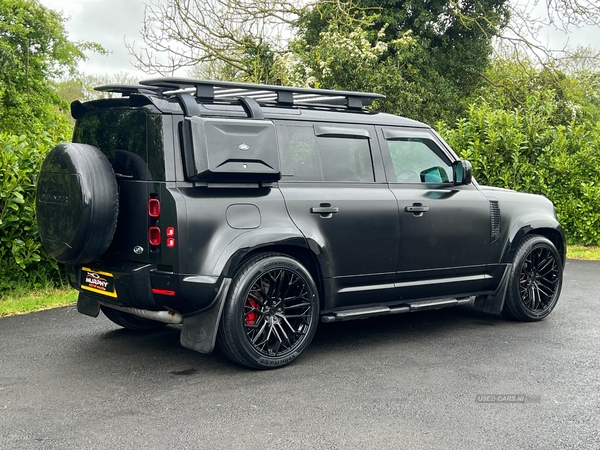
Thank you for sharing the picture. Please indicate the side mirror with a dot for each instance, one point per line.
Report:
(435, 174)
(463, 172)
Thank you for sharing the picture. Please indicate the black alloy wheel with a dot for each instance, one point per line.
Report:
(535, 281)
(271, 313)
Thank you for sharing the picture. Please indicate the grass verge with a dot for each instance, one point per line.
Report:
(25, 301)
(583, 252)
(22, 302)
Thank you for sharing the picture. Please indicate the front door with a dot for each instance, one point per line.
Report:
(445, 230)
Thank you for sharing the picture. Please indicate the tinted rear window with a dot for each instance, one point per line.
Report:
(122, 136)
(306, 157)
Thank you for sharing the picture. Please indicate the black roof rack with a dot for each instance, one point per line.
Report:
(284, 95)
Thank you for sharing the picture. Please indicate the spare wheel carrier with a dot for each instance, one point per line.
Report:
(77, 203)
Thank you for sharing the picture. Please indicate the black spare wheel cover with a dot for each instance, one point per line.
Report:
(77, 203)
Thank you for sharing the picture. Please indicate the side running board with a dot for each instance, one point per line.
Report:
(373, 311)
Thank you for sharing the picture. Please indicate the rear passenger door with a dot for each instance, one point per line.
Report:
(335, 190)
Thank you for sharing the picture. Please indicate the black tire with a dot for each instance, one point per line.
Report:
(77, 203)
(271, 312)
(130, 321)
(535, 280)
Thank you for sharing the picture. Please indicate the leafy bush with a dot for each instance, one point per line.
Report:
(521, 149)
(23, 260)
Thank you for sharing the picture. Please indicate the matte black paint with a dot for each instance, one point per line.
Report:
(365, 246)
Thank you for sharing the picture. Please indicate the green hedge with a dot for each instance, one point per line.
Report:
(23, 261)
(522, 150)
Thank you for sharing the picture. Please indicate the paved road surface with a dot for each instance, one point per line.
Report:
(404, 382)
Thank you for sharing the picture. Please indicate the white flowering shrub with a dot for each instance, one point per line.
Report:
(341, 59)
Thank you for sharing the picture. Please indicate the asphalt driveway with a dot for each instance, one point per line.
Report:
(454, 378)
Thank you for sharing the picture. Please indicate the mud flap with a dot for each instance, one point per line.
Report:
(87, 305)
(199, 331)
(493, 304)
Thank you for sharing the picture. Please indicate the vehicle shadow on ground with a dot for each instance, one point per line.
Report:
(412, 325)
(120, 351)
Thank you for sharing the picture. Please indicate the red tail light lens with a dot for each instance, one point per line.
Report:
(153, 207)
(154, 236)
(170, 232)
(170, 242)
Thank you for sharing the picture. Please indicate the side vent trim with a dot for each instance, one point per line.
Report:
(495, 219)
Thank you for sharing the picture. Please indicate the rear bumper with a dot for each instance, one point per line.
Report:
(143, 286)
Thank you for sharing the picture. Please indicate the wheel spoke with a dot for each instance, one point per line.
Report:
(260, 333)
(297, 306)
(545, 289)
(256, 298)
(545, 263)
(285, 320)
(531, 297)
(294, 279)
(278, 341)
(285, 336)
(539, 293)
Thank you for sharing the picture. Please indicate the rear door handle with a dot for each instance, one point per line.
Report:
(324, 209)
(416, 209)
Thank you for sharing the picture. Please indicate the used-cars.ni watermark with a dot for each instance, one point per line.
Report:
(507, 398)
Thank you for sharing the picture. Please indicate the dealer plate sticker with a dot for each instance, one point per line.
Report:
(99, 282)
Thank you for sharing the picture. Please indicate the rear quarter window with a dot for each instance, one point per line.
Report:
(122, 135)
(307, 157)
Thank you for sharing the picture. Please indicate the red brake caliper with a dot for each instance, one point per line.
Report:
(252, 315)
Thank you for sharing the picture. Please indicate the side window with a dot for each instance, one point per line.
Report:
(307, 157)
(418, 160)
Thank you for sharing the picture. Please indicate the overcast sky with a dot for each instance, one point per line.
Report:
(112, 22)
(107, 22)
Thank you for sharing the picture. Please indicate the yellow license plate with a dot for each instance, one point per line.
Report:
(99, 282)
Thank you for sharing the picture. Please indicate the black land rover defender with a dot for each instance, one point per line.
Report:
(247, 213)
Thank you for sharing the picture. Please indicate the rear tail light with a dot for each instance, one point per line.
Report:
(170, 237)
(154, 236)
(154, 233)
(154, 207)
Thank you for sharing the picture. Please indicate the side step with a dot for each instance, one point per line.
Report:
(373, 311)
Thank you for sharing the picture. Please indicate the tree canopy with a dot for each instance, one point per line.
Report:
(34, 50)
(422, 54)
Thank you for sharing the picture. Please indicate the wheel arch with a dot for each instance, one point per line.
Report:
(494, 303)
(298, 250)
(550, 229)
